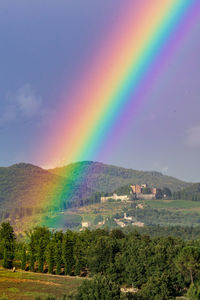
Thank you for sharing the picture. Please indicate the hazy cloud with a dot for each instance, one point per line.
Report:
(27, 101)
(22, 104)
(193, 136)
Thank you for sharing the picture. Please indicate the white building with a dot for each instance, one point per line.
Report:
(115, 197)
(86, 224)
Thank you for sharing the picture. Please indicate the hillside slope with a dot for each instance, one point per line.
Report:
(26, 185)
(108, 178)
(26, 189)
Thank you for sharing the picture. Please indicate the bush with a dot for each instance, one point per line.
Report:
(3, 297)
(99, 288)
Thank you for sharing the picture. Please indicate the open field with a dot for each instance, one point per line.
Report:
(110, 208)
(154, 212)
(174, 204)
(107, 209)
(28, 285)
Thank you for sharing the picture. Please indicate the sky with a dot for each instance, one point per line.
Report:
(44, 44)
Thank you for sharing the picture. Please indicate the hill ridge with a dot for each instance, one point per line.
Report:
(103, 177)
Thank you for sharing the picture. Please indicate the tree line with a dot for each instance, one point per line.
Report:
(158, 267)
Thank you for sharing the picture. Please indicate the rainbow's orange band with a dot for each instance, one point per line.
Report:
(112, 78)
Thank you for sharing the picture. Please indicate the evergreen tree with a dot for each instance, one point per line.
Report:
(7, 241)
(188, 261)
(79, 256)
(68, 252)
(23, 261)
(58, 256)
(5, 259)
(100, 287)
(32, 253)
(38, 240)
(50, 257)
(41, 258)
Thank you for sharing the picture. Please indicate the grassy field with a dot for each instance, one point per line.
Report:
(27, 285)
(73, 217)
(108, 209)
(163, 212)
(174, 204)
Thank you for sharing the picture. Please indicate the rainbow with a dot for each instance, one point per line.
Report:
(111, 88)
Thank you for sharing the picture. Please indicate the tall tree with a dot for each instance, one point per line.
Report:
(5, 259)
(23, 261)
(7, 243)
(32, 249)
(79, 256)
(68, 252)
(51, 256)
(58, 257)
(188, 261)
(41, 254)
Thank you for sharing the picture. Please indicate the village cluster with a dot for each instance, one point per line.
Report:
(138, 192)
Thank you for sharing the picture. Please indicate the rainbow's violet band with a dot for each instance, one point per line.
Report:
(112, 89)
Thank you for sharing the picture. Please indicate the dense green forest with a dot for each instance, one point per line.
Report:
(183, 232)
(108, 178)
(191, 193)
(114, 261)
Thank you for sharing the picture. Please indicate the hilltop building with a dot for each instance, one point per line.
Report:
(137, 191)
(143, 192)
(115, 197)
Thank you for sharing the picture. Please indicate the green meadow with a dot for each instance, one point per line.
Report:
(27, 285)
(154, 212)
(174, 204)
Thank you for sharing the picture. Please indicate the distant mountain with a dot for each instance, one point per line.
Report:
(26, 189)
(28, 186)
(108, 178)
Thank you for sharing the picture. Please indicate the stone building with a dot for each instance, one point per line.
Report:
(137, 191)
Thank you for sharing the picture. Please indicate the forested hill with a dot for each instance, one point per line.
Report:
(189, 193)
(108, 178)
(28, 186)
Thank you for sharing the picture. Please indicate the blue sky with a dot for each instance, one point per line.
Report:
(44, 43)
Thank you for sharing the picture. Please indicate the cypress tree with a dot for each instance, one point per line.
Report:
(7, 243)
(41, 255)
(5, 259)
(79, 256)
(32, 253)
(23, 263)
(58, 257)
(68, 252)
(32, 263)
(50, 257)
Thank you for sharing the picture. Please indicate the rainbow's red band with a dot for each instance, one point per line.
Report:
(114, 77)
